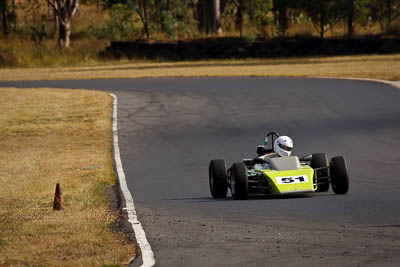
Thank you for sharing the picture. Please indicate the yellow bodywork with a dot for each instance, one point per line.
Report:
(289, 182)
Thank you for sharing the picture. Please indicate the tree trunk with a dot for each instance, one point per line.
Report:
(322, 25)
(14, 16)
(389, 15)
(207, 16)
(216, 20)
(282, 19)
(4, 17)
(64, 34)
(350, 17)
(199, 15)
(144, 18)
(146, 25)
(64, 11)
(275, 11)
(240, 21)
(56, 17)
(210, 16)
(239, 16)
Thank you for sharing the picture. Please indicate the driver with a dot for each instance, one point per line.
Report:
(283, 147)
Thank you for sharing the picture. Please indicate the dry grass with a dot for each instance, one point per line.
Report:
(23, 53)
(50, 136)
(375, 66)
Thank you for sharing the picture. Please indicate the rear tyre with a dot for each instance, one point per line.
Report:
(320, 160)
(217, 178)
(339, 175)
(238, 181)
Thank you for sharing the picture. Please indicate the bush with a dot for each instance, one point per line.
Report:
(120, 26)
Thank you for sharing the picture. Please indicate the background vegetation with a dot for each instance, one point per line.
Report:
(29, 28)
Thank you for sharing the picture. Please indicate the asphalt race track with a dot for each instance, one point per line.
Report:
(171, 128)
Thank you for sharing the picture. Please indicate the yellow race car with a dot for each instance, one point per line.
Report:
(278, 175)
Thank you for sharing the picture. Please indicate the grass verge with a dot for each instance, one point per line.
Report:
(385, 67)
(50, 136)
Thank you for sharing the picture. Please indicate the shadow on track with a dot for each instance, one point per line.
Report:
(250, 198)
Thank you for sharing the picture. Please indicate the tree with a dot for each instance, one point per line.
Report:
(4, 17)
(344, 10)
(175, 17)
(64, 10)
(280, 10)
(354, 10)
(256, 11)
(13, 15)
(259, 13)
(350, 16)
(323, 13)
(209, 16)
(141, 10)
(280, 15)
(239, 4)
(385, 11)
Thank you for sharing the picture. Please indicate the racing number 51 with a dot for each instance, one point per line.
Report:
(289, 180)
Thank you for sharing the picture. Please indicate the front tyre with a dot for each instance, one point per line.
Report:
(320, 160)
(217, 178)
(339, 175)
(238, 181)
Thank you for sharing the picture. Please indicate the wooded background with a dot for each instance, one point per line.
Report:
(159, 20)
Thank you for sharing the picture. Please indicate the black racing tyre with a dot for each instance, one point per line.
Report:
(321, 160)
(217, 178)
(339, 175)
(238, 181)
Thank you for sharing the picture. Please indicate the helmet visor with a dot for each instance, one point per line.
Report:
(285, 147)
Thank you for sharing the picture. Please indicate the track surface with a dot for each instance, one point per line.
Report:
(170, 129)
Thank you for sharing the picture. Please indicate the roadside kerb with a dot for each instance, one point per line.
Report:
(145, 248)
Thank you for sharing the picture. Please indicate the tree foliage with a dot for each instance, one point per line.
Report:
(323, 13)
(255, 12)
(385, 12)
(176, 19)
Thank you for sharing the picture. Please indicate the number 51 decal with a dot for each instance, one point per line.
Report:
(292, 179)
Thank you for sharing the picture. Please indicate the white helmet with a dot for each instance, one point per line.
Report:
(283, 146)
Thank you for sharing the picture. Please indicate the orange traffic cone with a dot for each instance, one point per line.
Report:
(58, 199)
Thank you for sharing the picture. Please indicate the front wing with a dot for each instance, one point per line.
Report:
(290, 182)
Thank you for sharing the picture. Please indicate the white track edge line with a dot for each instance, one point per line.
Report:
(145, 248)
(395, 84)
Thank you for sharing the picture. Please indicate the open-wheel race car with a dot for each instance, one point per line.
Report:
(273, 173)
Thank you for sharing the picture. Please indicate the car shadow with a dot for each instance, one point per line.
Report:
(249, 198)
